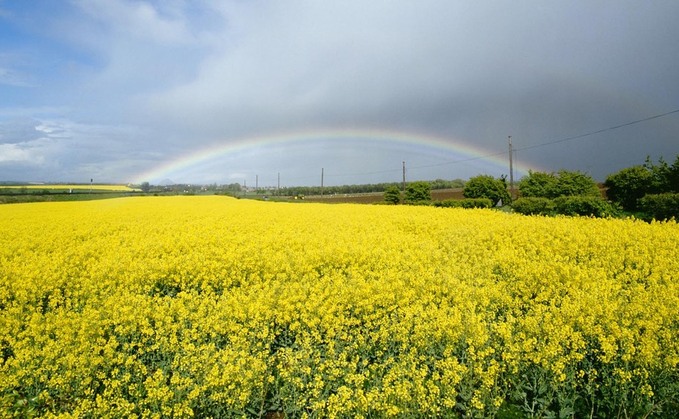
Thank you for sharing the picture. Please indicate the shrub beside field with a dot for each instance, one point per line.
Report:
(211, 306)
(464, 203)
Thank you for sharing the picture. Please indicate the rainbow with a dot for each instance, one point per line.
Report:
(449, 152)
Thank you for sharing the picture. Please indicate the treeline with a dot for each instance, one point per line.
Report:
(189, 189)
(366, 188)
(17, 193)
(649, 191)
(565, 192)
(419, 193)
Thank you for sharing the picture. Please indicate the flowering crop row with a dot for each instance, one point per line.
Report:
(212, 306)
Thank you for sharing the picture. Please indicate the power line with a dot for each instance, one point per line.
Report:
(445, 163)
(547, 143)
(365, 173)
(562, 140)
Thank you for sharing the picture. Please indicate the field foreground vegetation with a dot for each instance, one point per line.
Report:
(212, 306)
(70, 187)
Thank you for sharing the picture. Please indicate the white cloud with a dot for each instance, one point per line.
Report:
(59, 149)
(14, 153)
(18, 130)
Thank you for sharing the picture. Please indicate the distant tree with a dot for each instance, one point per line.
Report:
(486, 186)
(364, 188)
(392, 195)
(439, 184)
(446, 184)
(418, 193)
(629, 185)
(457, 183)
(145, 187)
(233, 187)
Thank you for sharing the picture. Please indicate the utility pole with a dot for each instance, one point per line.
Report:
(256, 182)
(321, 182)
(511, 169)
(404, 177)
(278, 189)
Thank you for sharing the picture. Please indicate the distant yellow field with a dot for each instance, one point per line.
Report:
(210, 306)
(97, 187)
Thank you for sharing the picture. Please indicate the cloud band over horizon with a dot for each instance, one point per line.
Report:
(113, 89)
(440, 152)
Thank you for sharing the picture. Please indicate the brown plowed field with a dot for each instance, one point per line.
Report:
(374, 197)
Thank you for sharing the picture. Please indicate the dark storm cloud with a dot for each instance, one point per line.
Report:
(178, 76)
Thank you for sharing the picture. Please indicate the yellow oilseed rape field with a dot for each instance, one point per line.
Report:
(217, 307)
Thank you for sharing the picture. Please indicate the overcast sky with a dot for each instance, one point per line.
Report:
(117, 90)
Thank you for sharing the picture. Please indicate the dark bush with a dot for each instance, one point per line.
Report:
(418, 193)
(465, 203)
(661, 206)
(533, 206)
(539, 185)
(584, 205)
(554, 185)
(628, 185)
(486, 186)
(392, 195)
(448, 203)
(476, 203)
(572, 183)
